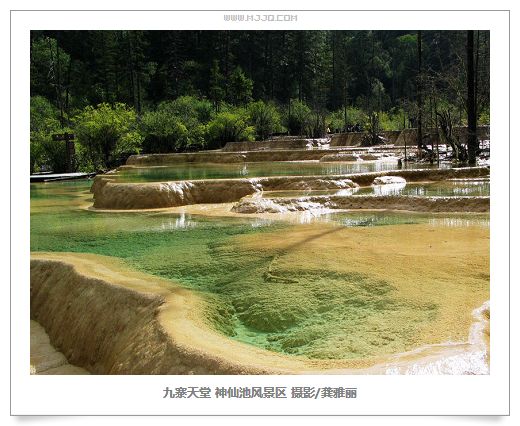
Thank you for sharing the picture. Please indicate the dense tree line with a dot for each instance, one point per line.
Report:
(185, 90)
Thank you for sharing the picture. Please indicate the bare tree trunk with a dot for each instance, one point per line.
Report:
(67, 94)
(471, 104)
(437, 128)
(105, 72)
(55, 73)
(226, 64)
(345, 105)
(300, 67)
(477, 109)
(58, 75)
(460, 153)
(131, 67)
(419, 93)
(430, 127)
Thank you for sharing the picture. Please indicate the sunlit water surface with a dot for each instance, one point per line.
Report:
(341, 286)
(190, 171)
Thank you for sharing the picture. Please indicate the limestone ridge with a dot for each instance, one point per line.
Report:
(389, 202)
(112, 195)
(119, 328)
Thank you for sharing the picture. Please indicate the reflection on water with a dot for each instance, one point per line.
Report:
(261, 223)
(183, 221)
(389, 189)
(459, 222)
(432, 189)
(59, 196)
(307, 192)
(191, 171)
(382, 218)
(347, 191)
(244, 171)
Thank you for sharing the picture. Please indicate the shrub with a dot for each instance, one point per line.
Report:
(229, 126)
(356, 116)
(45, 154)
(316, 127)
(265, 118)
(107, 133)
(177, 125)
(336, 121)
(189, 110)
(298, 120)
(392, 120)
(163, 133)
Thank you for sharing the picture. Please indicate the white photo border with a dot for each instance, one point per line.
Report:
(142, 395)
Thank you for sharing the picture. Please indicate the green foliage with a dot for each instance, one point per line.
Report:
(484, 118)
(203, 109)
(301, 120)
(373, 126)
(44, 116)
(179, 80)
(336, 121)
(48, 63)
(383, 121)
(178, 125)
(392, 120)
(316, 127)
(191, 111)
(36, 155)
(265, 118)
(230, 126)
(408, 41)
(356, 116)
(216, 85)
(241, 87)
(44, 152)
(323, 68)
(163, 133)
(298, 119)
(107, 133)
(378, 98)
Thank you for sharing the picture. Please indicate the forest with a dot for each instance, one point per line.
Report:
(126, 92)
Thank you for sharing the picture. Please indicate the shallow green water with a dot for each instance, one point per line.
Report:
(304, 309)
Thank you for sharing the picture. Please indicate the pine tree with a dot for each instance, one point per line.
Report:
(216, 89)
(241, 87)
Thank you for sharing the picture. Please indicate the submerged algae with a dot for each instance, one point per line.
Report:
(357, 292)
